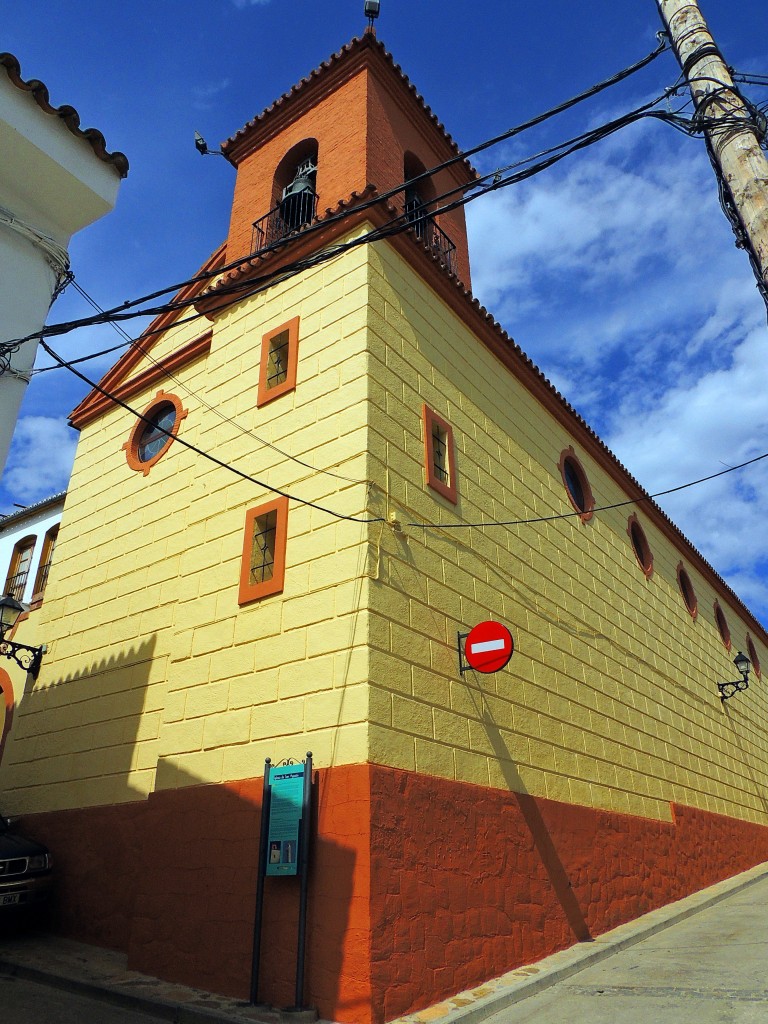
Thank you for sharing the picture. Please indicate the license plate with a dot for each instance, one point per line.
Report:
(9, 899)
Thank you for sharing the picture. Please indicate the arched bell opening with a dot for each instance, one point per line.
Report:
(293, 188)
(420, 204)
(419, 194)
(294, 199)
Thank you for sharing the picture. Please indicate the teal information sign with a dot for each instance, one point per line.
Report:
(285, 809)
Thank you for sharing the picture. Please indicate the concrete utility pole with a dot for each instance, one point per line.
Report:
(734, 144)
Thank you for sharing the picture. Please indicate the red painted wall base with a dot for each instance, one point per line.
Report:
(420, 887)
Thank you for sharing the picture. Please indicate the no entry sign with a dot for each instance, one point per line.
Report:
(488, 647)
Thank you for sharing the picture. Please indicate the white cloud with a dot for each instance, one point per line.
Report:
(205, 94)
(40, 459)
(616, 272)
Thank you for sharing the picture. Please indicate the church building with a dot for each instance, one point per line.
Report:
(292, 499)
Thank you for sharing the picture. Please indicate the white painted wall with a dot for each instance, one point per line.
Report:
(52, 184)
(37, 522)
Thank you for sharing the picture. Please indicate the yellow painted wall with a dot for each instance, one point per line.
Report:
(610, 699)
(155, 677)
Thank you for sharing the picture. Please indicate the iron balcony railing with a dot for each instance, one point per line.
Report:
(42, 577)
(16, 584)
(297, 211)
(291, 214)
(433, 237)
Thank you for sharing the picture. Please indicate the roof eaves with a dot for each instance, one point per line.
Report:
(347, 52)
(67, 114)
(28, 510)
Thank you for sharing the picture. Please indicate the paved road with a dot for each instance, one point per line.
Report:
(710, 969)
(25, 1002)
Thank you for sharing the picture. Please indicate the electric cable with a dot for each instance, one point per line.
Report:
(398, 223)
(379, 519)
(599, 508)
(169, 375)
(464, 155)
(199, 451)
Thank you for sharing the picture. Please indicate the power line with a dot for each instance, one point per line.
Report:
(114, 312)
(398, 223)
(379, 519)
(169, 375)
(600, 508)
(199, 451)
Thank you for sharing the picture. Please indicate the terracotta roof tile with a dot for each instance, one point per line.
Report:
(369, 40)
(249, 266)
(65, 113)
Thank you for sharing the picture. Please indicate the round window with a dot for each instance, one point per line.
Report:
(722, 625)
(154, 432)
(640, 545)
(576, 484)
(752, 652)
(157, 433)
(686, 589)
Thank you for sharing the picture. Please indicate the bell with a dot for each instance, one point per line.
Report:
(303, 182)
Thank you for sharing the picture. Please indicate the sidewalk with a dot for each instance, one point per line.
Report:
(103, 974)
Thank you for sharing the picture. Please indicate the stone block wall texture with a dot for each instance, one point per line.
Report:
(469, 883)
(466, 824)
(419, 887)
(363, 127)
(610, 700)
(154, 677)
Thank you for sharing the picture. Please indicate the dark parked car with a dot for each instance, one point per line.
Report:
(25, 869)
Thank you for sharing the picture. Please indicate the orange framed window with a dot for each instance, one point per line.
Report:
(18, 571)
(576, 483)
(41, 579)
(279, 362)
(439, 455)
(640, 545)
(722, 626)
(154, 432)
(753, 657)
(687, 591)
(262, 570)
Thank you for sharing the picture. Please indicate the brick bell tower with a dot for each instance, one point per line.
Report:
(354, 129)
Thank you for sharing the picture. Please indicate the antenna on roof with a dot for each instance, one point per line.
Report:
(372, 11)
(202, 147)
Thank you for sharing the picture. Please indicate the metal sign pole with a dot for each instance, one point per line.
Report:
(306, 814)
(263, 839)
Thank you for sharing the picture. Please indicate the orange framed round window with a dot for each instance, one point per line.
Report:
(640, 545)
(722, 626)
(576, 484)
(753, 657)
(687, 591)
(154, 432)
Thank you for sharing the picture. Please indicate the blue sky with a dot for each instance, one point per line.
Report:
(615, 271)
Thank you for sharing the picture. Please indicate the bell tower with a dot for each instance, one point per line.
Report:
(355, 125)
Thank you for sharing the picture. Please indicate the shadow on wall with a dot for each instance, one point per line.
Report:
(194, 890)
(171, 881)
(540, 834)
(7, 704)
(77, 736)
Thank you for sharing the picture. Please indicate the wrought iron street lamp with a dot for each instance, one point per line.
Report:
(727, 690)
(27, 658)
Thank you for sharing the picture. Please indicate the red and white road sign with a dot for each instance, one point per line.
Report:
(488, 647)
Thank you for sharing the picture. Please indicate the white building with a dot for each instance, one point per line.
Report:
(27, 542)
(55, 179)
(27, 545)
